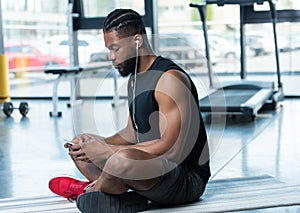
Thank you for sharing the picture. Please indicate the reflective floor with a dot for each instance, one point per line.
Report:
(31, 153)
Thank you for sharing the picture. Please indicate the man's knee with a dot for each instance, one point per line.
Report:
(120, 163)
(132, 164)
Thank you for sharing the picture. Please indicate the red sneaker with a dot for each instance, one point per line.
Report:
(68, 187)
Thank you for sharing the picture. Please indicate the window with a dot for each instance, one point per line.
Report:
(47, 19)
(95, 8)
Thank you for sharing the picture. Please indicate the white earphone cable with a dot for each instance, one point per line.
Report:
(134, 91)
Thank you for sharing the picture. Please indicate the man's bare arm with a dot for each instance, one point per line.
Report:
(172, 94)
(125, 136)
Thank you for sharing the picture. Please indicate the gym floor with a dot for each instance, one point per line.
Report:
(31, 153)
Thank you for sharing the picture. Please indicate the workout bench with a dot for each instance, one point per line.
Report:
(71, 73)
(67, 72)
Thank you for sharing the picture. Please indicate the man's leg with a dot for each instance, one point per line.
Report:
(129, 168)
(126, 169)
(89, 170)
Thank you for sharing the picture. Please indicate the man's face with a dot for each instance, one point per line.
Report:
(121, 52)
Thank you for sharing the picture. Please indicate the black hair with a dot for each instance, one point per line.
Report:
(126, 22)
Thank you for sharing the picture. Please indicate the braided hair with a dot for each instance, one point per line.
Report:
(126, 22)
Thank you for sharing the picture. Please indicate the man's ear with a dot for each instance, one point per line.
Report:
(138, 39)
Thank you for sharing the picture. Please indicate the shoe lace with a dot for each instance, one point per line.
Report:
(71, 194)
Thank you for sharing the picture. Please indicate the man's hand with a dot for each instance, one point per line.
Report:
(84, 138)
(74, 147)
(95, 150)
(90, 148)
(77, 153)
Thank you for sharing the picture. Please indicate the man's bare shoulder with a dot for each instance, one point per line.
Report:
(174, 77)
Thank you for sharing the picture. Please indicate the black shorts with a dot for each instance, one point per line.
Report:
(179, 186)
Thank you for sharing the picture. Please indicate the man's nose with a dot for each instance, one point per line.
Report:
(112, 56)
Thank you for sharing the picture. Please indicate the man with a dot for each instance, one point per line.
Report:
(161, 155)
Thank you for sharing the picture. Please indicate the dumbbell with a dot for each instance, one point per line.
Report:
(8, 108)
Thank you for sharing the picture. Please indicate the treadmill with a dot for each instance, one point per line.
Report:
(241, 97)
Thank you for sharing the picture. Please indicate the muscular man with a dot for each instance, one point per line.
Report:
(162, 154)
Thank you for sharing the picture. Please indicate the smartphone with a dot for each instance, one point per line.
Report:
(66, 141)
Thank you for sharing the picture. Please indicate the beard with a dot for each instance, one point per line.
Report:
(128, 67)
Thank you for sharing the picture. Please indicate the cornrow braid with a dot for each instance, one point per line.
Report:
(127, 22)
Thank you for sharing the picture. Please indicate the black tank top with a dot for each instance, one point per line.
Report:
(145, 117)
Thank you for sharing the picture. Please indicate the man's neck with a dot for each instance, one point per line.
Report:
(145, 62)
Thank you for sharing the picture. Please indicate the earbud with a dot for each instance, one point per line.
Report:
(137, 41)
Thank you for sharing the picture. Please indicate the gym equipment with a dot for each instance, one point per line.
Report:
(8, 108)
(70, 72)
(242, 97)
